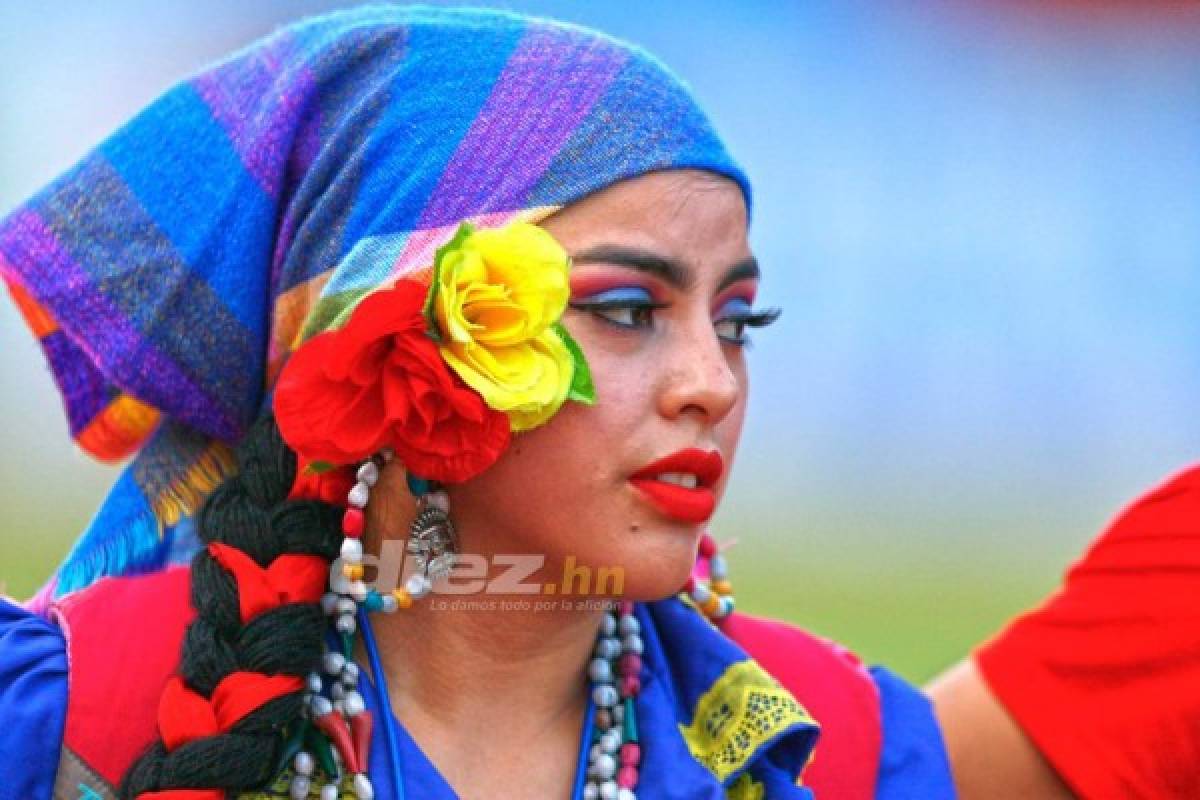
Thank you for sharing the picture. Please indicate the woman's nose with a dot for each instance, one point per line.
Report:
(699, 378)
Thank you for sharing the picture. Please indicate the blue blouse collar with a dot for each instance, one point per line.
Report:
(713, 724)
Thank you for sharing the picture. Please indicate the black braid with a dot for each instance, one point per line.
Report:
(249, 511)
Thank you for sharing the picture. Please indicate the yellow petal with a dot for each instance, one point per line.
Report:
(498, 294)
(532, 264)
(558, 369)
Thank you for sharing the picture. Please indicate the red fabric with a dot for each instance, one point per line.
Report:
(330, 486)
(183, 794)
(1105, 675)
(123, 644)
(836, 689)
(291, 578)
(239, 693)
(184, 715)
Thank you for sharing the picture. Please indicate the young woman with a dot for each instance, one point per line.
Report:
(458, 285)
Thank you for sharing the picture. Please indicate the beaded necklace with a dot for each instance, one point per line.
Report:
(336, 729)
(611, 754)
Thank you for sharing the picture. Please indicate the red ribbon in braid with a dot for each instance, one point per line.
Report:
(185, 715)
(291, 578)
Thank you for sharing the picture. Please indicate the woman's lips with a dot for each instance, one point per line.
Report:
(685, 505)
(692, 505)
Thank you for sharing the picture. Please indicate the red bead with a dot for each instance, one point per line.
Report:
(690, 586)
(630, 664)
(631, 754)
(708, 547)
(360, 730)
(630, 685)
(334, 726)
(627, 777)
(352, 522)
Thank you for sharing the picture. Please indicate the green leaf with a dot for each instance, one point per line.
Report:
(465, 229)
(320, 467)
(582, 390)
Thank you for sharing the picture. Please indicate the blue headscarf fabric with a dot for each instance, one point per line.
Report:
(171, 272)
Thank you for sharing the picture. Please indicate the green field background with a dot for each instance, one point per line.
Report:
(892, 596)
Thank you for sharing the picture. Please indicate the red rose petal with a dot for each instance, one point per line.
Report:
(379, 381)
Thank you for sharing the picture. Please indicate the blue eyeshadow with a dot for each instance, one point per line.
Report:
(735, 306)
(618, 294)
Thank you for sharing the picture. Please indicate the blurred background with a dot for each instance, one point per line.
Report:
(982, 222)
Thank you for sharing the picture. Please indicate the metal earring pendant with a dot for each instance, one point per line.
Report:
(432, 541)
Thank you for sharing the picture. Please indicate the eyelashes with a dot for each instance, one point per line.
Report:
(622, 313)
(633, 308)
(741, 321)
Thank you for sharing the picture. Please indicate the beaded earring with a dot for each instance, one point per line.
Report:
(335, 732)
(708, 587)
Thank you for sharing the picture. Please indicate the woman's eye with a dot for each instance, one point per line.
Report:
(736, 316)
(731, 329)
(628, 316)
(627, 307)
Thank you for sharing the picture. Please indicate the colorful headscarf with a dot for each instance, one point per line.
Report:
(172, 271)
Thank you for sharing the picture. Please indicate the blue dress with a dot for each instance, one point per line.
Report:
(33, 695)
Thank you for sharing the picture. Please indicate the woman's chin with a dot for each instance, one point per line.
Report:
(660, 569)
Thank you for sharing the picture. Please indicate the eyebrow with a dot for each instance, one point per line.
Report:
(668, 269)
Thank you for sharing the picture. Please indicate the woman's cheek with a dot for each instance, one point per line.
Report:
(624, 382)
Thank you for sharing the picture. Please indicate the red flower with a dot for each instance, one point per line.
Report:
(329, 486)
(379, 381)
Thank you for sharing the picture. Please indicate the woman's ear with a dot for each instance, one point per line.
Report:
(391, 509)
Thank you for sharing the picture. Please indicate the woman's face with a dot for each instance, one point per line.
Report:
(662, 271)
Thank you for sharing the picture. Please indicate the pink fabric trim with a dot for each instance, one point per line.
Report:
(837, 690)
(123, 640)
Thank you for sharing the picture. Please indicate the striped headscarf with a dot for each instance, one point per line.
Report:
(170, 273)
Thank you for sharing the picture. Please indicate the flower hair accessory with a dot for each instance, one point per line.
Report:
(441, 373)
(438, 375)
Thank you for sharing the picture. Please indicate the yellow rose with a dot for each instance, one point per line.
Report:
(530, 381)
(497, 294)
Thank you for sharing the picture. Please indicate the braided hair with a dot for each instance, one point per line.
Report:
(251, 512)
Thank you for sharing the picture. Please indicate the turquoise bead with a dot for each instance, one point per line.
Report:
(629, 722)
(418, 486)
(374, 601)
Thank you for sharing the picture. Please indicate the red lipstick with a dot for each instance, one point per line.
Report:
(677, 501)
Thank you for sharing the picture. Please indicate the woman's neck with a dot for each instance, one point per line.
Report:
(478, 665)
(495, 699)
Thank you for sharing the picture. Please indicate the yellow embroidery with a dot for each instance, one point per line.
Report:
(743, 710)
(745, 788)
(280, 789)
